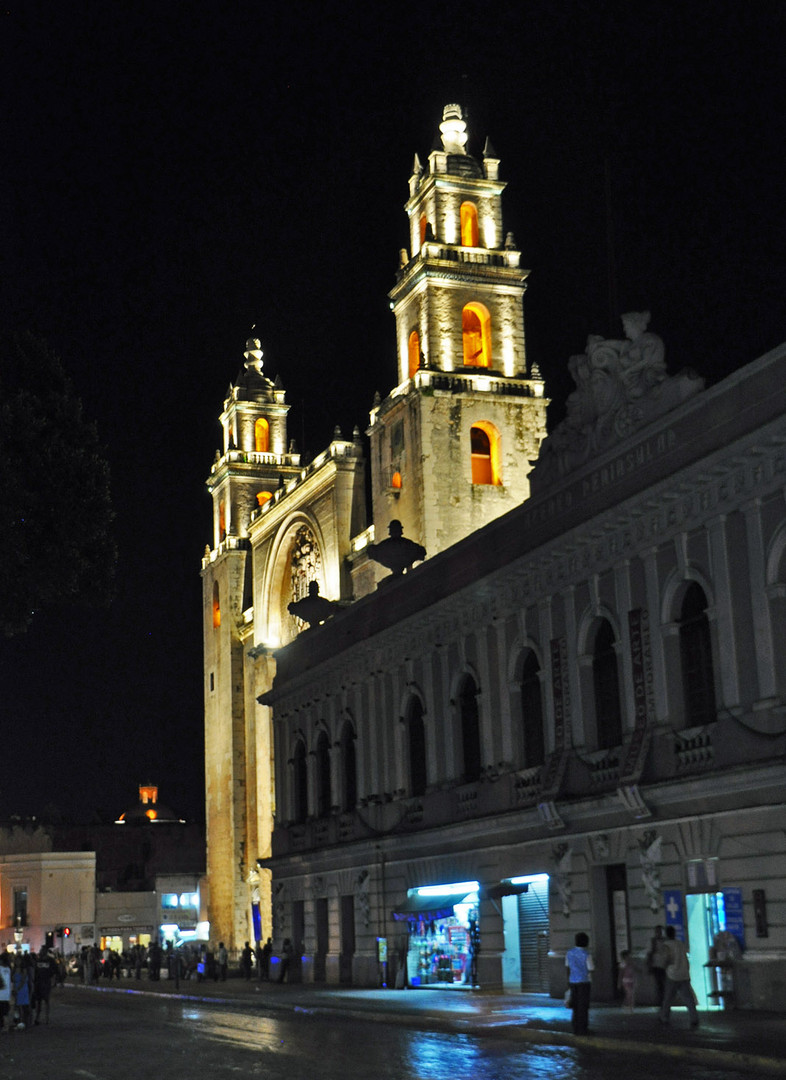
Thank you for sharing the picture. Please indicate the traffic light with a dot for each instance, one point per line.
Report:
(66, 931)
(59, 931)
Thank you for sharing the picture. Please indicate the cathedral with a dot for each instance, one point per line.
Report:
(568, 714)
(451, 448)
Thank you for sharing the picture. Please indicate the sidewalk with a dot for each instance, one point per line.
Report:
(728, 1039)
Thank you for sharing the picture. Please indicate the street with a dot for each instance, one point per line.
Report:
(120, 1036)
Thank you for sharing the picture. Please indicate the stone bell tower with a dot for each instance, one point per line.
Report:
(452, 445)
(253, 464)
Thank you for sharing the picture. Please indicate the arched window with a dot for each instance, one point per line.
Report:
(261, 436)
(470, 729)
(698, 680)
(414, 352)
(476, 331)
(216, 607)
(606, 684)
(416, 748)
(423, 228)
(222, 520)
(396, 481)
(349, 782)
(299, 783)
(485, 451)
(264, 496)
(532, 713)
(469, 224)
(323, 775)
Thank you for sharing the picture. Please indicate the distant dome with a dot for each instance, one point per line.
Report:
(148, 810)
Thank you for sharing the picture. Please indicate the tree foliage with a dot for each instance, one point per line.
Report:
(55, 497)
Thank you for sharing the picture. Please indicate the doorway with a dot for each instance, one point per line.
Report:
(706, 917)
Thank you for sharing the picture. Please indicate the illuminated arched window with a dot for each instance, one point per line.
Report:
(264, 496)
(469, 224)
(698, 680)
(470, 729)
(606, 686)
(532, 713)
(476, 331)
(484, 447)
(414, 352)
(416, 739)
(261, 436)
(323, 775)
(299, 783)
(423, 228)
(395, 481)
(216, 607)
(222, 520)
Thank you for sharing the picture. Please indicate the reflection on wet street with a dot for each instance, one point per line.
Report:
(120, 1036)
(306, 1045)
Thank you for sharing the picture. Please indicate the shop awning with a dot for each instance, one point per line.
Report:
(436, 906)
(505, 888)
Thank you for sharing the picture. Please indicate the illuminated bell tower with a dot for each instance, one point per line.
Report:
(454, 442)
(252, 465)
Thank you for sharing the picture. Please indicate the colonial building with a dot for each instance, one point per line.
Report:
(451, 449)
(574, 719)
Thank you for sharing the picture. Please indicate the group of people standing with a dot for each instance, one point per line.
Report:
(667, 962)
(26, 981)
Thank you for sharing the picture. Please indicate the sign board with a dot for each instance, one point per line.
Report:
(732, 906)
(382, 950)
(673, 906)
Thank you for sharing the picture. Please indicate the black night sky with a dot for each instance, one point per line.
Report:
(174, 174)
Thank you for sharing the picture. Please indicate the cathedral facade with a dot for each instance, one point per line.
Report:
(451, 448)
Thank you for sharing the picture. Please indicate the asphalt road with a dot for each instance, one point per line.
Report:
(124, 1036)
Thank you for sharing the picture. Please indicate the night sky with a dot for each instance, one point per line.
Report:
(175, 174)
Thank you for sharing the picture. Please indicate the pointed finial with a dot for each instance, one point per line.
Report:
(336, 432)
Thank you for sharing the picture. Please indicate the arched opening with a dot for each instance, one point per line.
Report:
(416, 748)
(349, 780)
(216, 607)
(395, 481)
(476, 331)
(423, 228)
(261, 436)
(532, 713)
(470, 729)
(606, 686)
(222, 520)
(299, 783)
(323, 775)
(469, 224)
(485, 453)
(698, 680)
(413, 351)
(264, 496)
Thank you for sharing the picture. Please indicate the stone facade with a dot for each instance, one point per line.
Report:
(632, 611)
(450, 450)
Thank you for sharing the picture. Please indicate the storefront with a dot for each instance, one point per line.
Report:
(442, 934)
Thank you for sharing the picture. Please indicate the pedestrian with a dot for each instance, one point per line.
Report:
(264, 959)
(21, 984)
(579, 966)
(677, 979)
(223, 960)
(626, 980)
(45, 971)
(246, 961)
(286, 956)
(657, 958)
(5, 989)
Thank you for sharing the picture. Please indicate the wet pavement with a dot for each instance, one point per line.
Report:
(726, 1039)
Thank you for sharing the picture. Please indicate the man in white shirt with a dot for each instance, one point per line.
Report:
(677, 980)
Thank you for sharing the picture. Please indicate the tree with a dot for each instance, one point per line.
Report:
(55, 498)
